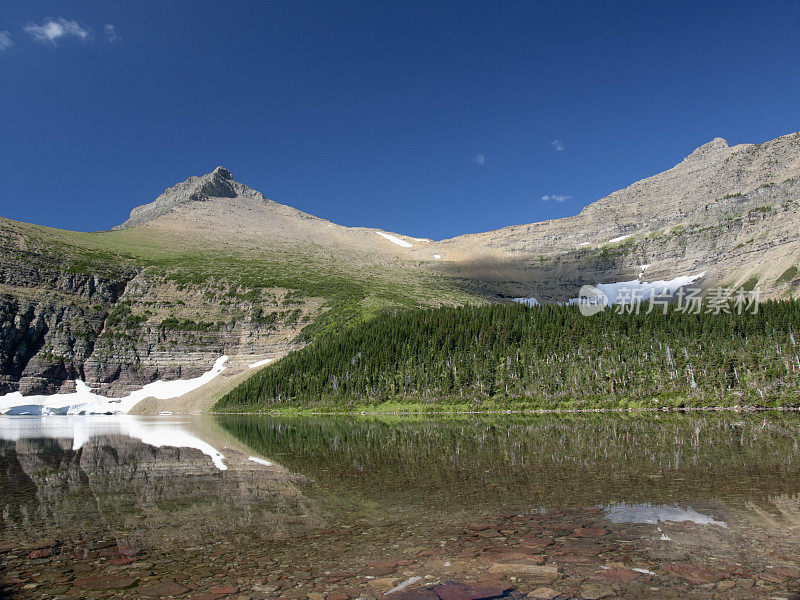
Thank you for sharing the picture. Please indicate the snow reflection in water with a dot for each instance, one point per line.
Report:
(80, 429)
(656, 513)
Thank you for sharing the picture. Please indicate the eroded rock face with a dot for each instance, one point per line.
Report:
(122, 330)
(48, 331)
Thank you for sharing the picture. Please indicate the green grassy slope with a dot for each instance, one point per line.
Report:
(512, 356)
(351, 290)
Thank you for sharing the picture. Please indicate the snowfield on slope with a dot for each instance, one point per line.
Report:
(624, 291)
(619, 239)
(395, 240)
(643, 290)
(83, 401)
(260, 363)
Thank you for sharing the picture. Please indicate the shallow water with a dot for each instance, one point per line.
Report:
(661, 506)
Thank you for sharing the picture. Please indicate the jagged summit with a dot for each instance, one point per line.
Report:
(222, 173)
(712, 150)
(717, 142)
(217, 184)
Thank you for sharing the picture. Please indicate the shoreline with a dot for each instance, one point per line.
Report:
(532, 411)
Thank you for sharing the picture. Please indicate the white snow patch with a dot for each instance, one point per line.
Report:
(261, 363)
(643, 290)
(529, 301)
(619, 239)
(657, 513)
(643, 571)
(421, 239)
(583, 244)
(153, 432)
(84, 401)
(260, 461)
(394, 239)
(437, 256)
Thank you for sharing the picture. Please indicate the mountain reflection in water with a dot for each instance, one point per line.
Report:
(336, 494)
(537, 461)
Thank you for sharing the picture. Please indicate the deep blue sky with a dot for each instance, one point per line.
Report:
(375, 113)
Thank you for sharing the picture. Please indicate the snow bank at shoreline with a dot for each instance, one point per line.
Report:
(83, 401)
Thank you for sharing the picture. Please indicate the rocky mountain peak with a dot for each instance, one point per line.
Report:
(222, 173)
(709, 151)
(217, 184)
(717, 142)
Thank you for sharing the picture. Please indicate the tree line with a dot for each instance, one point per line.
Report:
(543, 357)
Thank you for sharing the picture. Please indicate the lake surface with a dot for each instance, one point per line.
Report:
(329, 508)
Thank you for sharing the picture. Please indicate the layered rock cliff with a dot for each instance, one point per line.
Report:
(124, 325)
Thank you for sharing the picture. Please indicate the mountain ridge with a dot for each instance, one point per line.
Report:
(706, 164)
(213, 267)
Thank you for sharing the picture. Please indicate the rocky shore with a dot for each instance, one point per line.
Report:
(544, 555)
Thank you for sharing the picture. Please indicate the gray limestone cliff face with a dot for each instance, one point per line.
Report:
(47, 340)
(37, 351)
(123, 329)
(50, 318)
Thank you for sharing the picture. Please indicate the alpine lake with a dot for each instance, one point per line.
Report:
(632, 505)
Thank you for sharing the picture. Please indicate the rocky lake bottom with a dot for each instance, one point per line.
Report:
(339, 508)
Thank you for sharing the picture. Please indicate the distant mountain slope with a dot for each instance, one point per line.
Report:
(731, 212)
(212, 266)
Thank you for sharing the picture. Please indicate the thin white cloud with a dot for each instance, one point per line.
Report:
(558, 144)
(52, 30)
(556, 197)
(111, 33)
(5, 41)
(479, 159)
